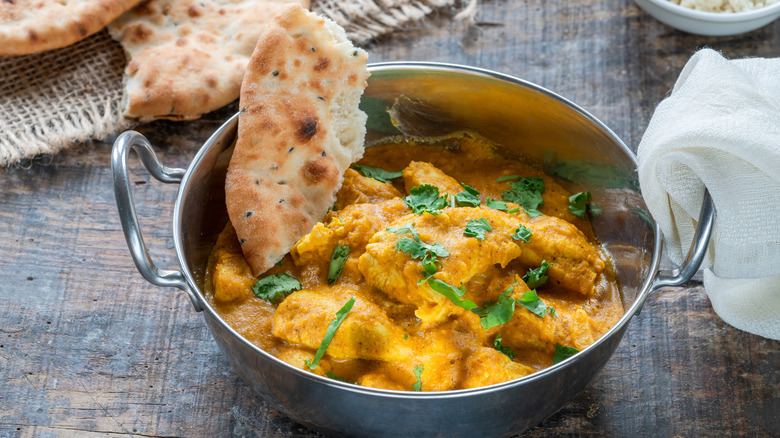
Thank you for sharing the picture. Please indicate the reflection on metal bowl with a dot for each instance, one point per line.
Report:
(426, 99)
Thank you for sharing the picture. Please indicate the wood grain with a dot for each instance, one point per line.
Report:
(88, 348)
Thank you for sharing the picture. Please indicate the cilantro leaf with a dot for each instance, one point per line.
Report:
(507, 178)
(477, 228)
(522, 233)
(453, 293)
(333, 375)
(377, 173)
(424, 198)
(497, 313)
(469, 198)
(578, 204)
(337, 260)
(562, 353)
(505, 350)
(334, 324)
(418, 370)
(417, 249)
(408, 228)
(274, 288)
(527, 193)
(496, 205)
(532, 302)
(537, 277)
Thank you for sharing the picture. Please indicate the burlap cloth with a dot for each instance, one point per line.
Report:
(51, 100)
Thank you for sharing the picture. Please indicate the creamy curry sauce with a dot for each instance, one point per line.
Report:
(400, 333)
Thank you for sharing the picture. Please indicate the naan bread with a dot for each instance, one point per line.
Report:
(187, 57)
(30, 26)
(299, 129)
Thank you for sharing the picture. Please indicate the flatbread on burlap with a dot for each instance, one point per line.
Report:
(299, 129)
(188, 57)
(31, 26)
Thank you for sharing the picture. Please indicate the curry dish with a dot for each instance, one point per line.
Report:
(438, 268)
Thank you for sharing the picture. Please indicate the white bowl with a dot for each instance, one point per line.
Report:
(709, 23)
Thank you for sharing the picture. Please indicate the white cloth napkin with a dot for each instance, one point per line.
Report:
(720, 128)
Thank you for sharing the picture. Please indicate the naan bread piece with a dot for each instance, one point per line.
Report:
(188, 57)
(298, 131)
(31, 26)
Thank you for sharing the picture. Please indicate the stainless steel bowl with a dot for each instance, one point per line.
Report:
(426, 99)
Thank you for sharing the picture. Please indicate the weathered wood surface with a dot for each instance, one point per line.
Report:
(88, 348)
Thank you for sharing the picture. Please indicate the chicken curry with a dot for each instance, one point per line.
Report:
(436, 269)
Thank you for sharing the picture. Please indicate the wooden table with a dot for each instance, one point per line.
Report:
(88, 348)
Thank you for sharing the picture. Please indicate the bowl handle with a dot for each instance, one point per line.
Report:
(126, 206)
(701, 240)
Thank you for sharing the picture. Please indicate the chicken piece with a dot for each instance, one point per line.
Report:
(232, 279)
(381, 381)
(437, 358)
(486, 366)
(419, 173)
(486, 166)
(358, 189)
(575, 262)
(570, 327)
(298, 357)
(353, 226)
(366, 332)
(398, 274)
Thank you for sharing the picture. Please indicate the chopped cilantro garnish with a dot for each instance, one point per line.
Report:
(527, 193)
(406, 336)
(497, 313)
(477, 228)
(408, 228)
(417, 249)
(334, 324)
(337, 260)
(469, 198)
(562, 353)
(274, 288)
(537, 277)
(333, 376)
(507, 178)
(496, 205)
(522, 233)
(505, 350)
(532, 302)
(418, 370)
(451, 292)
(377, 173)
(280, 262)
(515, 210)
(578, 204)
(424, 198)
(595, 209)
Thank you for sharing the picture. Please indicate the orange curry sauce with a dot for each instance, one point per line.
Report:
(401, 333)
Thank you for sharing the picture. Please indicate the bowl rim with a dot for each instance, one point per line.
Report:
(641, 296)
(717, 17)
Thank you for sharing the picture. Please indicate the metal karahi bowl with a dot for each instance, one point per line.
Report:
(427, 99)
